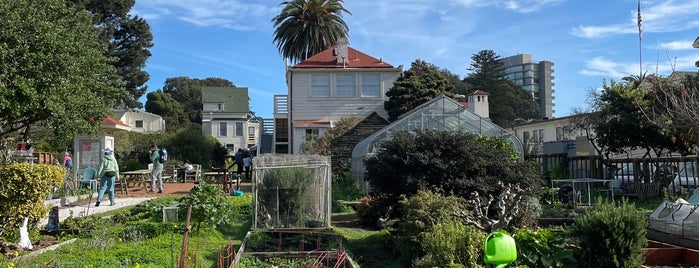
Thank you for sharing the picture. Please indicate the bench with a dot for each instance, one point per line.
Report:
(169, 173)
(644, 190)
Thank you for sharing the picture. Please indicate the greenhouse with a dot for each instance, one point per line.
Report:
(441, 113)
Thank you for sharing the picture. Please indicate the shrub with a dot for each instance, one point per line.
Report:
(458, 163)
(452, 243)
(344, 187)
(24, 188)
(373, 208)
(420, 213)
(209, 205)
(617, 232)
(543, 248)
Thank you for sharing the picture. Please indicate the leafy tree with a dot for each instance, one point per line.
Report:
(508, 101)
(622, 124)
(166, 106)
(323, 145)
(187, 91)
(458, 163)
(419, 84)
(129, 39)
(306, 27)
(460, 87)
(53, 71)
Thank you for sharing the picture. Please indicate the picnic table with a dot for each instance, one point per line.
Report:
(140, 177)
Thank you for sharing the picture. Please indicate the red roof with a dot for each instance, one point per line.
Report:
(479, 92)
(113, 121)
(328, 59)
(311, 123)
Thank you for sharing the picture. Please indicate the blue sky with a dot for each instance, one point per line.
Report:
(588, 41)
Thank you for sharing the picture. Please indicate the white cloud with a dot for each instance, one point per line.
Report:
(660, 16)
(234, 14)
(600, 66)
(677, 45)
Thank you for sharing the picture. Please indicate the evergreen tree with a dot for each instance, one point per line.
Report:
(165, 105)
(419, 84)
(187, 91)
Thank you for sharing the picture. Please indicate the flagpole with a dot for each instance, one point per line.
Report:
(640, 39)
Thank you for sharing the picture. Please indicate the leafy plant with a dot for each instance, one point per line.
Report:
(209, 205)
(285, 193)
(452, 244)
(23, 190)
(617, 232)
(345, 188)
(543, 248)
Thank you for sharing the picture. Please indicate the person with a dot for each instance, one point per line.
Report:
(157, 173)
(108, 172)
(186, 168)
(238, 158)
(67, 161)
(247, 162)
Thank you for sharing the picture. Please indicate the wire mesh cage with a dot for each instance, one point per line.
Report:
(291, 192)
(170, 213)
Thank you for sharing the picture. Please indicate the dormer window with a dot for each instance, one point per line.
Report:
(220, 107)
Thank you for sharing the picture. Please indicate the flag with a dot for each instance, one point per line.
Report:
(640, 36)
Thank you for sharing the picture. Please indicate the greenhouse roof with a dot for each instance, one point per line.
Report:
(441, 113)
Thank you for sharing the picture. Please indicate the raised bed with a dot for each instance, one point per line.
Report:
(662, 254)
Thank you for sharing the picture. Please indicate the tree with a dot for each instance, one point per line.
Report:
(419, 84)
(486, 68)
(187, 91)
(508, 101)
(53, 71)
(458, 163)
(622, 125)
(460, 87)
(129, 39)
(166, 106)
(306, 27)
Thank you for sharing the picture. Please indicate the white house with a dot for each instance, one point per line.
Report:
(140, 121)
(225, 116)
(335, 83)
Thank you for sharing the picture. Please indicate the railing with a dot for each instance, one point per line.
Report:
(281, 104)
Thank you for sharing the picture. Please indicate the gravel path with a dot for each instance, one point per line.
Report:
(88, 209)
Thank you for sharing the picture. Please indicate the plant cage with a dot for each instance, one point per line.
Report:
(291, 192)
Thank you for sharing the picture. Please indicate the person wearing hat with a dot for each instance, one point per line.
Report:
(108, 172)
(157, 172)
(67, 161)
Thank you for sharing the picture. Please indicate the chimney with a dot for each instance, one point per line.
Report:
(342, 46)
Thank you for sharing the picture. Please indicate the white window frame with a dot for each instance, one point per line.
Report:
(239, 129)
(320, 85)
(222, 129)
(139, 123)
(370, 89)
(345, 85)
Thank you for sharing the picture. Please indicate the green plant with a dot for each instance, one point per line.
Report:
(24, 188)
(209, 205)
(286, 193)
(617, 232)
(452, 244)
(420, 214)
(543, 248)
(345, 188)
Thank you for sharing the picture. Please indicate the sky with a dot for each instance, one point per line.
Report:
(589, 42)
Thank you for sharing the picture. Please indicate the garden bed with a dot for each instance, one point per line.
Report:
(319, 247)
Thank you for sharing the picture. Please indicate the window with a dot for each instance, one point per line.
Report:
(345, 85)
(239, 128)
(312, 133)
(251, 133)
(223, 129)
(559, 133)
(371, 85)
(541, 135)
(139, 123)
(320, 85)
(220, 106)
(525, 136)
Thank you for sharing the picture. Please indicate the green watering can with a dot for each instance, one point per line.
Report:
(500, 249)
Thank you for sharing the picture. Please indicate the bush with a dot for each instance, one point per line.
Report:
(543, 248)
(209, 206)
(344, 187)
(420, 213)
(25, 188)
(458, 163)
(452, 243)
(618, 233)
(373, 208)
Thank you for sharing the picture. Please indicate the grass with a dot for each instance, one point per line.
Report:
(369, 248)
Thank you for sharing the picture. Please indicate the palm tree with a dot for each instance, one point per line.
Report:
(307, 27)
